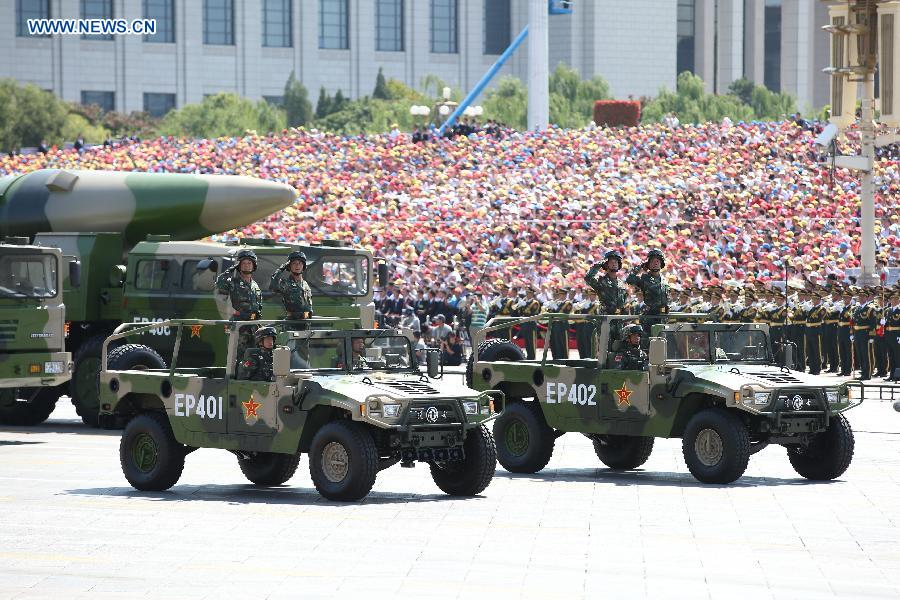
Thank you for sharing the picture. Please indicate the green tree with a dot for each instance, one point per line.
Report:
(743, 89)
(766, 104)
(381, 90)
(508, 102)
(222, 115)
(297, 106)
(693, 105)
(572, 99)
(323, 104)
(76, 125)
(339, 101)
(29, 115)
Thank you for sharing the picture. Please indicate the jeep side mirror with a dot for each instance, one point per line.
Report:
(281, 361)
(75, 273)
(208, 263)
(657, 351)
(433, 360)
(382, 275)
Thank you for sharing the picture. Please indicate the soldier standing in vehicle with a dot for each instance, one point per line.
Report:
(631, 357)
(296, 296)
(244, 294)
(256, 364)
(610, 296)
(650, 283)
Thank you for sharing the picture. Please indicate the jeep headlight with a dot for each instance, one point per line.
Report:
(391, 410)
(832, 396)
(375, 405)
(471, 407)
(761, 398)
(55, 367)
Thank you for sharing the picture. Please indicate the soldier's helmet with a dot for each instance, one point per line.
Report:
(246, 254)
(656, 253)
(613, 254)
(632, 329)
(263, 332)
(297, 255)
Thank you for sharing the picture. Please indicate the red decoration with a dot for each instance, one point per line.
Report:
(617, 113)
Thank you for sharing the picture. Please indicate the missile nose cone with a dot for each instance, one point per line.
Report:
(233, 201)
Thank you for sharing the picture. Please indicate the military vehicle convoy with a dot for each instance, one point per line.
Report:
(714, 385)
(109, 223)
(34, 366)
(354, 400)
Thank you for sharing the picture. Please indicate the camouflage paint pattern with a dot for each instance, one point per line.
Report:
(31, 326)
(583, 395)
(135, 204)
(281, 416)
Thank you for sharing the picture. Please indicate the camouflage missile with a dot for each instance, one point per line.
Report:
(186, 207)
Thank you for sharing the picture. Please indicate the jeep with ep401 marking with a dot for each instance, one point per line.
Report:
(714, 385)
(354, 400)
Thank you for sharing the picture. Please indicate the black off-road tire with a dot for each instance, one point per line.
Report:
(33, 412)
(524, 440)
(471, 476)
(829, 453)
(134, 357)
(84, 387)
(716, 446)
(346, 471)
(152, 459)
(269, 468)
(490, 350)
(622, 452)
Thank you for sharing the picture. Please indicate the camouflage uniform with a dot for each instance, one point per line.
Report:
(610, 296)
(245, 297)
(296, 295)
(655, 292)
(631, 357)
(257, 365)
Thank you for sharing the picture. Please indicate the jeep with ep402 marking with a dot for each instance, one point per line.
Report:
(714, 385)
(354, 400)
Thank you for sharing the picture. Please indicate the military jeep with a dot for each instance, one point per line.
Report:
(355, 400)
(715, 385)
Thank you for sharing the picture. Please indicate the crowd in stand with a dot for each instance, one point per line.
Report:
(457, 216)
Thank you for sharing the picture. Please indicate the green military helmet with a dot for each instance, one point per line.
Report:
(297, 255)
(247, 254)
(656, 253)
(632, 329)
(264, 332)
(613, 254)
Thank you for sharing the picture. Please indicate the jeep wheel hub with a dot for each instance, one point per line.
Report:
(708, 447)
(335, 462)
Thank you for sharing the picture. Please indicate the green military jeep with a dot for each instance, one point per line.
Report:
(354, 416)
(715, 385)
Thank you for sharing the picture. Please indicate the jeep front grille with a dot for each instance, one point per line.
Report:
(798, 400)
(779, 377)
(439, 413)
(410, 387)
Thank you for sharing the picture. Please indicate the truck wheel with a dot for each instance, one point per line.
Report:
(622, 452)
(269, 468)
(84, 388)
(493, 350)
(524, 440)
(471, 476)
(152, 459)
(716, 446)
(829, 453)
(33, 412)
(343, 461)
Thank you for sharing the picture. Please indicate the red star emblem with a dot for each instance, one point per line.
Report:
(252, 406)
(624, 395)
(195, 330)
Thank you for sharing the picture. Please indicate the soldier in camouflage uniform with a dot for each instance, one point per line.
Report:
(610, 296)
(246, 298)
(631, 357)
(650, 283)
(296, 296)
(257, 362)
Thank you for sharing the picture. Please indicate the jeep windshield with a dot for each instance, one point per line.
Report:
(28, 276)
(367, 353)
(731, 346)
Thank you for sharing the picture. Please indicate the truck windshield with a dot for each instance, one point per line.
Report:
(339, 275)
(717, 346)
(367, 353)
(28, 276)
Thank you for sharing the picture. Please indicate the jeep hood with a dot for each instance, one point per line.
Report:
(402, 386)
(733, 376)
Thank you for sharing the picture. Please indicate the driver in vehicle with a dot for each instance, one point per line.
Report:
(257, 362)
(631, 357)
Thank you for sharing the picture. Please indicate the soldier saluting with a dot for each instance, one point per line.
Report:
(296, 296)
(244, 294)
(609, 294)
(650, 283)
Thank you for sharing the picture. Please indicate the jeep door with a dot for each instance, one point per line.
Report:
(252, 408)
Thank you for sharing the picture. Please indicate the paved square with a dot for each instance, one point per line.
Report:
(72, 527)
